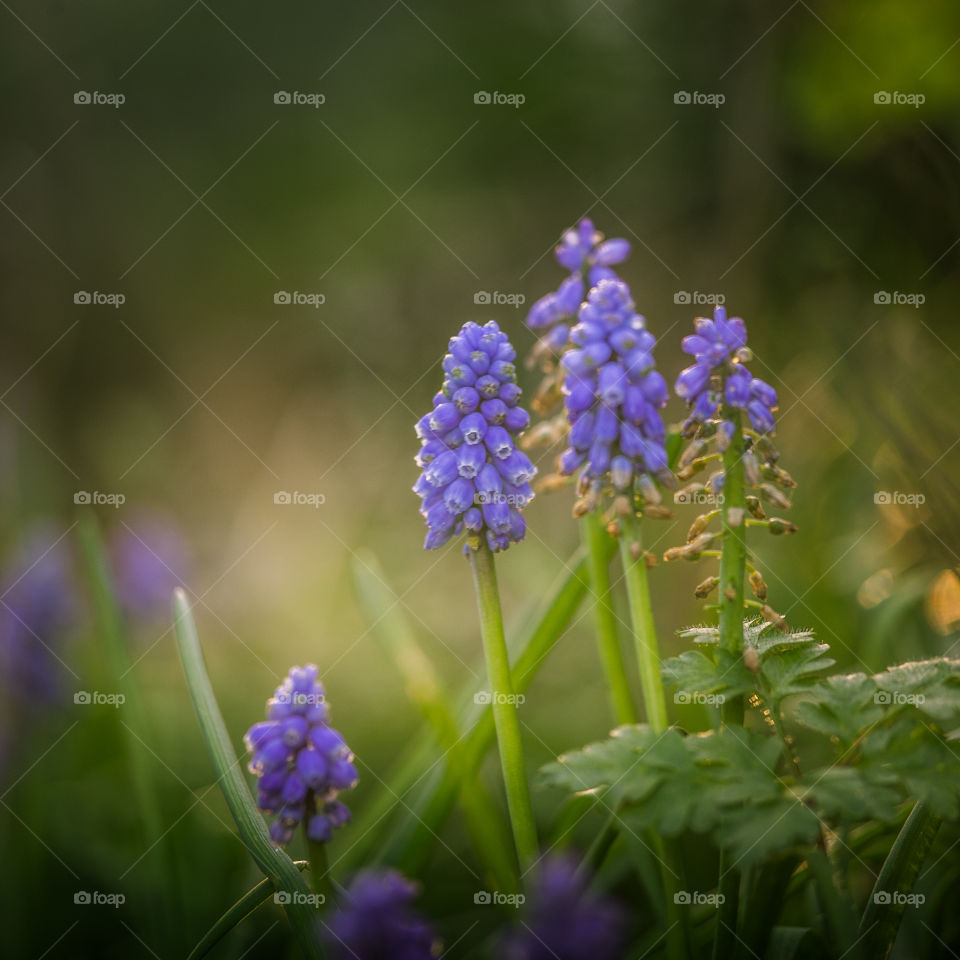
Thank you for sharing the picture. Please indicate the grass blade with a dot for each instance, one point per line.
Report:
(279, 868)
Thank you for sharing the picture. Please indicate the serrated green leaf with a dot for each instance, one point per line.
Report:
(755, 832)
(841, 706)
(693, 672)
(847, 793)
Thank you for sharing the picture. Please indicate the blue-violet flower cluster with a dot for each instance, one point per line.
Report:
(613, 394)
(302, 762)
(588, 258)
(565, 920)
(474, 478)
(719, 376)
(375, 921)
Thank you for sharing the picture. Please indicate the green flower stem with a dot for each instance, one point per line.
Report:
(425, 815)
(504, 707)
(593, 535)
(644, 629)
(881, 921)
(733, 560)
(319, 869)
(277, 866)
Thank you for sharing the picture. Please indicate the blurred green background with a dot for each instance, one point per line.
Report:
(801, 199)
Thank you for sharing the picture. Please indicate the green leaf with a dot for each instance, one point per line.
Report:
(847, 793)
(842, 706)
(694, 673)
(253, 899)
(278, 867)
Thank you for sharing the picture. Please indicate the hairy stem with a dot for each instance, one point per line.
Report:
(504, 707)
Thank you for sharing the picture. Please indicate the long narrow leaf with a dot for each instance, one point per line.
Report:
(252, 900)
(279, 868)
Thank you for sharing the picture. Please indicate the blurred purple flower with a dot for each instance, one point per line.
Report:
(564, 920)
(375, 921)
(148, 559)
(40, 601)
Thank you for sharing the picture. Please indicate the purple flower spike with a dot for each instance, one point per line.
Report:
(375, 921)
(302, 762)
(614, 412)
(564, 919)
(719, 349)
(588, 258)
(469, 446)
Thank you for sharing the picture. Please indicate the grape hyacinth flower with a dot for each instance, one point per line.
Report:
(613, 396)
(588, 258)
(474, 478)
(720, 391)
(563, 919)
(375, 921)
(302, 762)
(719, 376)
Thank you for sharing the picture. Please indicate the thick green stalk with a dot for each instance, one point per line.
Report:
(319, 869)
(594, 538)
(644, 629)
(733, 559)
(881, 918)
(841, 922)
(280, 869)
(428, 812)
(504, 707)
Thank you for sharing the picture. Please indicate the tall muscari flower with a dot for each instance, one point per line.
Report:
(375, 921)
(719, 376)
(613, 396)
(474, 478)
(588, 258)
(301, 761)
(564, 919)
